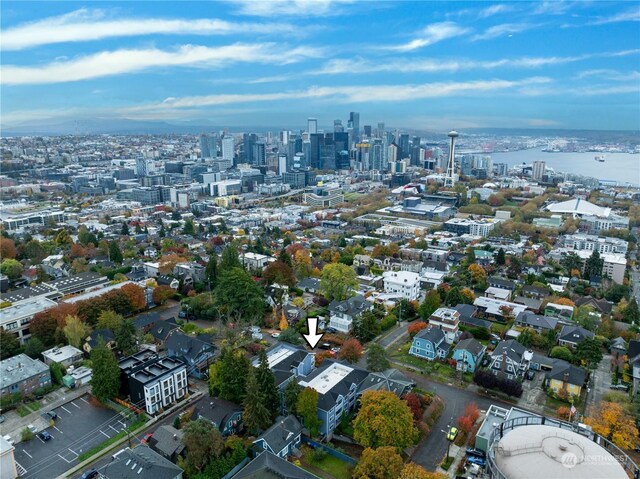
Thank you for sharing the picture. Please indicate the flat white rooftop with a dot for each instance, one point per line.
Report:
(61, 354)
(324, 382)
(278, 355)
(25, 309)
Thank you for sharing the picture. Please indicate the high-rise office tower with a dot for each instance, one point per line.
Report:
(403, 144)
(337, 126)
(316, 140)
(354, 123)
(367, 131)
(381, 129)
(306, 154)
(141, 166)
(282, 164)
(312, 126)
(341, 142)
(284, 137)
(228, 148)
(328, 153)
(259, 154)
(539, 169)
(377, 155)
(393, 154)
(248, 140)
(208, 146)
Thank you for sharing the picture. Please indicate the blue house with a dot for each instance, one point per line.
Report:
(223, 414)
(430, 344)
(198, 354)
(282, 438)
(468, 354)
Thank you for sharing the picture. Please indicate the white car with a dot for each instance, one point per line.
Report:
(275, 335)
(32, 428)
(8, 439)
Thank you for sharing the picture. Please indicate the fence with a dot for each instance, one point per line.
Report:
(329, 450)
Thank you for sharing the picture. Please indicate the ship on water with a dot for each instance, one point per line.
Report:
(600, 158)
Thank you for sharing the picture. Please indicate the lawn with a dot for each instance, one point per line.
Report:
(34, 406)
(23, 410)
(332, 467)
(438, 371)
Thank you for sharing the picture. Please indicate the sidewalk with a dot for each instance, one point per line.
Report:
(14, 424)
(458, 453)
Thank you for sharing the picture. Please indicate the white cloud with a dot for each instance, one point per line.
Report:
(426, 65)
(346, 94)
(632, 15)
(299, 8)
(496, 9)
(90, 24)
(552, 7)
(434, 33)
(502, 30)
(109, 63)
(608, 74)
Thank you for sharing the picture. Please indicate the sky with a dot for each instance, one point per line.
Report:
(419, 65)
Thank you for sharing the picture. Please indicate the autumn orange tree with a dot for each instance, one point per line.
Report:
(136, 296)
(351, 350)
(384, 420)
(412, 471)
(416, 327)
(162, 293)
(380, 463)
(611, 421)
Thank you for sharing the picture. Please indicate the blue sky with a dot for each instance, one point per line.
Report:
(422, 65)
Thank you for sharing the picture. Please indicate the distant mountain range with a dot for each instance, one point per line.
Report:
(97, 126)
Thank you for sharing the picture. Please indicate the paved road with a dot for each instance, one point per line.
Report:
(635, 283)
(430, 453)
(600, 381)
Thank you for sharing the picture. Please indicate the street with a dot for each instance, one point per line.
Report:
(430, 453)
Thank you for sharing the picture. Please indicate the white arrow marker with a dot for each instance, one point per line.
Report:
(313, 338)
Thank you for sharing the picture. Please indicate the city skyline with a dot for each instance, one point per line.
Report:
(426, 66)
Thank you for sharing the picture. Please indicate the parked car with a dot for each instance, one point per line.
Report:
(182, 314)
(39, 396)
(530, 375)
(335, 350)
(147, 437)
(636, 449)
(275, 335)
(32, 428)
(331, 330)
(90, 474)
(44, 435)
(620, 387)
(2, 418)
(326, 346)
(453, 432)
(477, 460)
(8, 439)
(475, 452)
(51, 415)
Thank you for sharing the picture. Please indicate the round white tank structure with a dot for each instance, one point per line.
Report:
(541, 451)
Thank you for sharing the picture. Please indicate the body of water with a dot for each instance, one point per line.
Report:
(621, 167)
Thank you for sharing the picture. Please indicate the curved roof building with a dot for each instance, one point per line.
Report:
(533, 452)
(578, 206)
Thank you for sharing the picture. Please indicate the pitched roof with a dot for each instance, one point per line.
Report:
(501, 283)
(567, 372)
(167, 440)
(528, 318)
(270, 466)
(141, 463)
(187, 346)
(435, 335)
(281, 433)
(145, 320)
(470, 344)
(388, 380)
(353, 306)
(574, 334)
(216, 410)
(601, 305)
(511, 348)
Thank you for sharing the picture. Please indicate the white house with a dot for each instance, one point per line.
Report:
(342, 313)
(404, 283)
(255, 261)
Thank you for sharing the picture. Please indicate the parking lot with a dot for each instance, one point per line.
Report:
(80, 426)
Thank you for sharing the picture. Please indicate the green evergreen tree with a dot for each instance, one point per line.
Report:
(501, 258)
(125, 229)
(429, 305)
(211, 271)
(631, 313)
(593, 266)
(34, 348)
(189, 227)
(267, 384)
(232, 374)
(126, 337)
(162, 232)
(105, 382)
(291, 392)
(115, 254)
(230, 258)
(285, 258)
(256, 416)
(377, 358)
(9, 344)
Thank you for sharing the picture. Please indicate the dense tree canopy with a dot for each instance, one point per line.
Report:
(338, 282)
(105, 382)
(238, 297)
(380, 463)
(384, 420)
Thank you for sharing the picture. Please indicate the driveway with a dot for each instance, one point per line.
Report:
(430, 453)
(79, 427)
(533, 396)
(600, 381)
